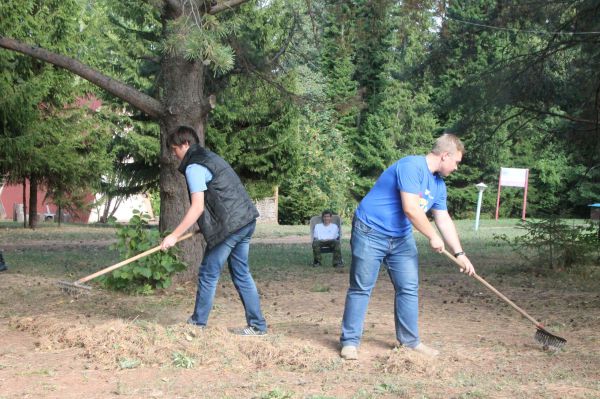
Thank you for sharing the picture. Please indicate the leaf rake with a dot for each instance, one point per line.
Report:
(78, 287)
(542, 336)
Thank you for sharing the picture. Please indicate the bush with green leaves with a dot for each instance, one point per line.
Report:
(555, 244)
(145, 274)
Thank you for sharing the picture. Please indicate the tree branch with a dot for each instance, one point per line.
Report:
(287, 42)
(139, 100)
(226, 5)
(565, 116)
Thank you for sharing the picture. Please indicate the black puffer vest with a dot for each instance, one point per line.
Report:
(227, 205)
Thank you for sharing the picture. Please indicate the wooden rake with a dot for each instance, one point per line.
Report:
(78, 287)
(542, 336)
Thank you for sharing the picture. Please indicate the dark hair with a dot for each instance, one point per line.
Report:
(182, 135)
(326, 212)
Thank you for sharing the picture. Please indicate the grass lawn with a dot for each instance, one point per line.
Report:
(111, 344)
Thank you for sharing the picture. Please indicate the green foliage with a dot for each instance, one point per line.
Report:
(148, 273)
(551, 243)
(47, 133)
(183, 361)
(277, 394)
(126, 363)
(509, 89)
(200, 39)
(255, 128)
(322, 180)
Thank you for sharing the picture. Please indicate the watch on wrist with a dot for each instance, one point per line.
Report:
(456, 255)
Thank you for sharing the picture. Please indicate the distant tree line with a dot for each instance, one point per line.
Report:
(315, 97)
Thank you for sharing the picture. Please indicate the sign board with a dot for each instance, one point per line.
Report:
(513, 177)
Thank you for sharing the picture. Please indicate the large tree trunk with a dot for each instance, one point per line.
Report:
(185, 104)
(33, 195)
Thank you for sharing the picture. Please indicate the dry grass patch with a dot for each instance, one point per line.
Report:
(119, 344)
(405, 361)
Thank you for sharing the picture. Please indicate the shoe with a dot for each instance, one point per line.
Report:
(192, 322)
(339, 264)
(425, 350)
(349, 352)
(249, 331)
(316, 264)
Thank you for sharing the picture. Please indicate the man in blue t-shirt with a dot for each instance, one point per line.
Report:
(382, 232)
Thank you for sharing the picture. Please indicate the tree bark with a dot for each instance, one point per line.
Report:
(33, 195)
(183, 85)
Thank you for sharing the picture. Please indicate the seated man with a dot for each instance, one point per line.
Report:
(327, 235)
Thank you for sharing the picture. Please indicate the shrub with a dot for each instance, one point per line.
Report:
(145, 274)
(553, 242)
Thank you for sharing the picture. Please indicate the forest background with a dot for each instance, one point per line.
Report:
(314, 97)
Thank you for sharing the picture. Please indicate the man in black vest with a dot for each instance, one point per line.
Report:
(227, 218)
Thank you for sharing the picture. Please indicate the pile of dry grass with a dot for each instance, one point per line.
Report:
(402, 360)
(110, 343)
(274, 351)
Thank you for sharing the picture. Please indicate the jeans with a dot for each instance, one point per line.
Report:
(369, 249)
(235, 250)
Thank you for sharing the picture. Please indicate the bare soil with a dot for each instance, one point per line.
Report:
(107, 344)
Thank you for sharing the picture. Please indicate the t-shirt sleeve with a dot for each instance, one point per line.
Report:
(197, 177)
(317, 231)
(409, 177)
(440, 201)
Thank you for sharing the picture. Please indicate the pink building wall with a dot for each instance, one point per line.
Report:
(13, 194)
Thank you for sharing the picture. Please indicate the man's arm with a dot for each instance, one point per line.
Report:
(418, 218)
(446, 226)
(191, 217)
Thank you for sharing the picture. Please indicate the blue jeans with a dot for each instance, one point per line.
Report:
(235, 250)
(369, 249)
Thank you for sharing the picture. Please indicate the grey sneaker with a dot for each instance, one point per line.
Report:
(192, 322)
(349, 353)
(425, 350)
(249, 331)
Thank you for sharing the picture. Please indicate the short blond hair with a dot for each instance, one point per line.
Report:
(448, 142)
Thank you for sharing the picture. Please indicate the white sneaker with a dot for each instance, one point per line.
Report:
(425, 350)
(349, 353)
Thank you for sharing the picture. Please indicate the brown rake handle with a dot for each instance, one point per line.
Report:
(495, 291)
(127, 261)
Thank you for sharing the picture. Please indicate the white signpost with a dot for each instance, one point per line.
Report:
(513, 177)
(481, 188)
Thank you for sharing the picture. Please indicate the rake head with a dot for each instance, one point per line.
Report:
(74, 289)
(549, 341)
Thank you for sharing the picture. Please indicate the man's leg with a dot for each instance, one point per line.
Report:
(337, 253)
(242, 279)
(316, 247)
(368, 250)
(208, 276)
(403, 268)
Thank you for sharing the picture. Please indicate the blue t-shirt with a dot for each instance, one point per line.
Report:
(197, 177)
(381, 209)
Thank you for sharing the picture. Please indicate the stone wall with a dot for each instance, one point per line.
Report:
(268, 207)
